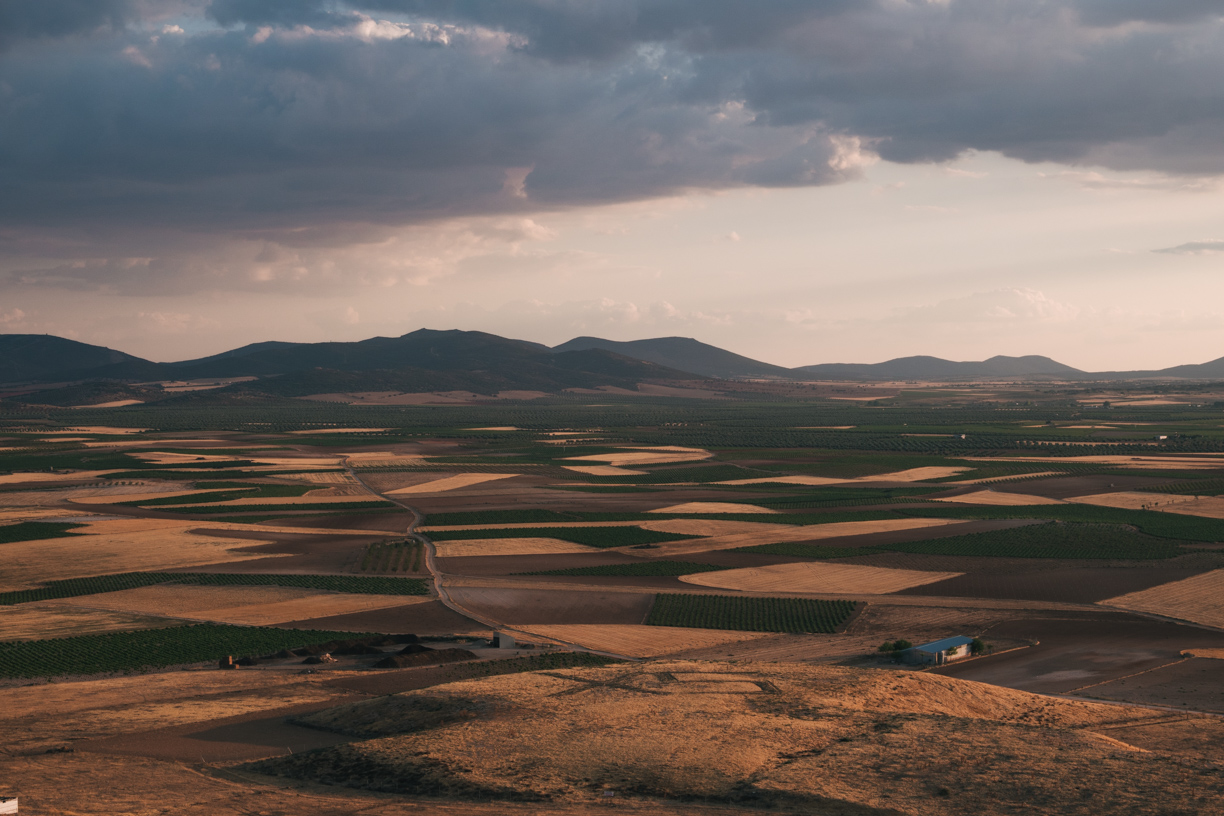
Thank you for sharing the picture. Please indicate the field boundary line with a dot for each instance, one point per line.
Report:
(1129, 676)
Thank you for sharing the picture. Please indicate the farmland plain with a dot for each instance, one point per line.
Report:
(792, 535)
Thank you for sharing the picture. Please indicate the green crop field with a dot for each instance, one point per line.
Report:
(149, 649)
(588, 536)
(35, 531)
(353, 584)
(645, 568)
(749, 614)
(1051, 540)
(802, 549)
(1161, 525)
(393, 556)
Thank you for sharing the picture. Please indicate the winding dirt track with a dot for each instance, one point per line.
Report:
(440, 584)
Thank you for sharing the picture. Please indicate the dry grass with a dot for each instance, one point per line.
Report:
(40, 621)
(449, 483)
(712, 527)
(817, 577)
(75, 476)
(804, 739)
(638, 640)
(1011, 478)
(1000, 499)
(1209, 654)
(122, 545)
(773, 534)
(323, 478)
(508, 546)
(712, 507)
(14, 514)
(1132, 500)
(496, 428)
(113, 494)
(251, 606)
(1199, 599)
(604, 470)
(318, 431)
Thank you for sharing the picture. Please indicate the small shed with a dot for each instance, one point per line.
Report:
(502, 641)
(939, 652)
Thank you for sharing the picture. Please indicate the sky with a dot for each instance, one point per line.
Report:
(799, 181)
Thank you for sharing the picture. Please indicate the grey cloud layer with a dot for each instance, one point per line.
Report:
(259, 118)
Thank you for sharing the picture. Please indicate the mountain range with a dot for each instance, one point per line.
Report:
(431, 361)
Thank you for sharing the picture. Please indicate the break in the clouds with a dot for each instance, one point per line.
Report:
(1209, 247)
(269, 119)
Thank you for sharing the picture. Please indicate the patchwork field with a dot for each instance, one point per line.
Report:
(450, 483)
(998, 498)
(39, 621)
(818, 577)
(508, 546)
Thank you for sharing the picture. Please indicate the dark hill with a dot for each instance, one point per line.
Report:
(934, 368)
(685, 354)
(46, 358)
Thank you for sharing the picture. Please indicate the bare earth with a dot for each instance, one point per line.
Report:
(252, 606)
(712, 507)
(783, 532)
(818, 577)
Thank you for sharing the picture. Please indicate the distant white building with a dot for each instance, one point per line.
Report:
(939, 652)
(8, 805)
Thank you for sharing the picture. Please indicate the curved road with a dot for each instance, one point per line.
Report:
(431, 554)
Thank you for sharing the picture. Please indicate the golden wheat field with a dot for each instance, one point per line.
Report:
(818, 577)
(776, 533)
(999, 498)
(1199, 599)
(451, 483)
(712, 507)
(48, 619)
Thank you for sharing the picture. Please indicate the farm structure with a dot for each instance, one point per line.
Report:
(501, 640)
(8, 805)
(938, 652)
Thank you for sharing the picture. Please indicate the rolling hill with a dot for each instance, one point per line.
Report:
(685, 354)
(935, 368)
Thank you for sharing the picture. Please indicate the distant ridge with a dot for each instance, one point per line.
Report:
(45, 357)
(935, 368)
(685, 354)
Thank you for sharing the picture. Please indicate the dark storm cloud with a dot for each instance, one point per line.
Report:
(259, 118)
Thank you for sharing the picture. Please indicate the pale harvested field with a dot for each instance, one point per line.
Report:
(660, 455)
(75, 476)
(818, 577)
(508, 546)
(993, 497)
(496, 428)
(112, 404)
(323, 478)
(1209, 654)
(317, 431)
(49, 619)
(299, 461)
(712, 507)
(166, 458)
(385, 460)
(775, 648)
(1133, 500)
(128, 545)
(799, 480)
(1199, 599)
(783, 532)
(451, 483)
(15, 514)
(639, 640)
(604, 470)
(251, 606)
(914, 474)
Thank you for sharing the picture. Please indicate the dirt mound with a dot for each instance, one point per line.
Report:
(426, 658)
(821, 739)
